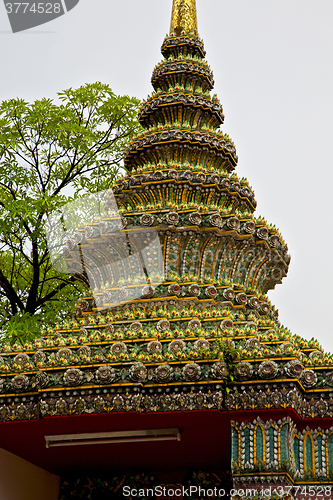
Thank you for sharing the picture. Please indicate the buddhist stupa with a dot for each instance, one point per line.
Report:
(174, 369)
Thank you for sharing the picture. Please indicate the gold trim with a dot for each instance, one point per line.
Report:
(184, 17)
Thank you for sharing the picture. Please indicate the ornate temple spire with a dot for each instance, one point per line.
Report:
(184, 17)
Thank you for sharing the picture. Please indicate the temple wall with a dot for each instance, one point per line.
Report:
(21, 480)
(278, 453)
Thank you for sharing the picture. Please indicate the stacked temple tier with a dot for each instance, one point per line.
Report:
(177, 317)
(180, 184)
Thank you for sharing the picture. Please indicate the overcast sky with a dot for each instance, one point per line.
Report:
(273, 67)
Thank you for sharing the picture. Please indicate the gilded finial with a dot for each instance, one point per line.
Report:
(184, 17)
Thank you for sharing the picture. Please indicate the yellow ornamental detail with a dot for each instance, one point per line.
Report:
(184, 17)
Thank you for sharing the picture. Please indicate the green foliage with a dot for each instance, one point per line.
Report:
(51, 154)
(22, 328)
(230, 355)
(225, 350)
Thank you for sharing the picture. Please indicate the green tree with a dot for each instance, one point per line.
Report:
(48, 152)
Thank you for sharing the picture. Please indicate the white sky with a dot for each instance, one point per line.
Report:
(273, 67)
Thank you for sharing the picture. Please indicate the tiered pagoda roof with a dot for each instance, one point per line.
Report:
(200, 333)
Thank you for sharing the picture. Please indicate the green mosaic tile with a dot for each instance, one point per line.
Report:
(247, 444)
(271, 444)
(259, 443)
(330, 453)
(235, 455)
(308, 453)
(320, 451)
(296, 453)
(284, 443)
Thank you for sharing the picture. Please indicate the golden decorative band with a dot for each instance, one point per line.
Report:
(184, 17)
